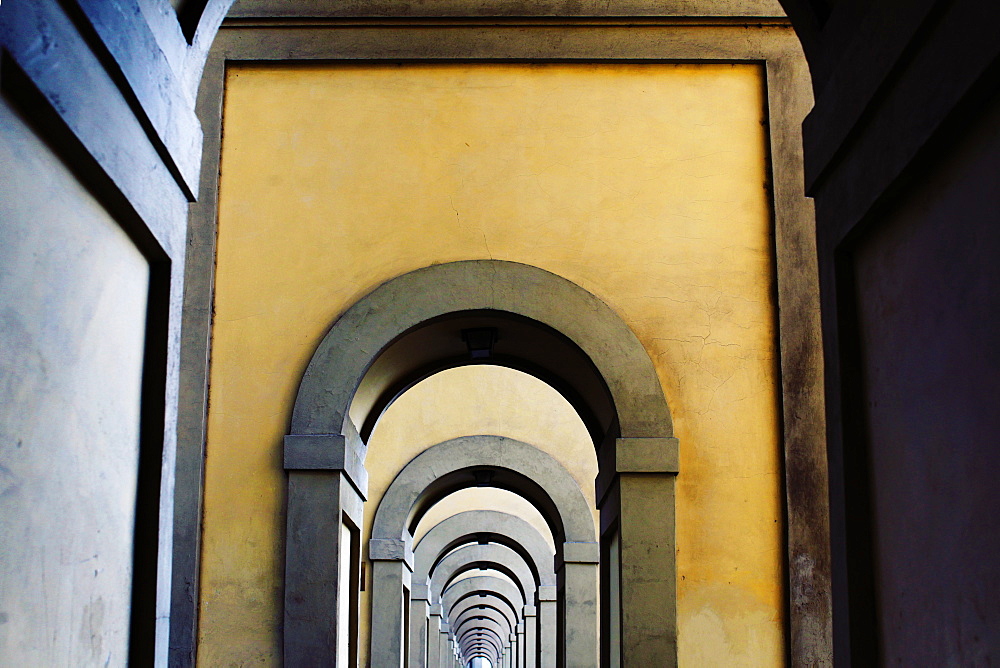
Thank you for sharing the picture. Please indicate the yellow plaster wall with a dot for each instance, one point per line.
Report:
(644, 184)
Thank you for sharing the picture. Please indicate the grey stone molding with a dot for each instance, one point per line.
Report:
(466, 527)
(473, 588)
(450, 466)
(474, 607)
(343, 358)
(497, 557)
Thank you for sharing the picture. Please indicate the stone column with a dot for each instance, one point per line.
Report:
(514, 662)
(580, 581)
(392, 566)
(419, 615)
(433, 637)
(322, 489)
(547, 626)
(444, 647)
(530, 637)
(521, 663)
(647, 470)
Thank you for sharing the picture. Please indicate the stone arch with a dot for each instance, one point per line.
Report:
(498, 557)
(473, 622)
(461, 462)
(487, 639)
(469, 606)
(474, 586)
(412, 326)
(469, 636)
(807, 17)
(471, 591)
(485, 645)
(488, 289)
(464, 462)
(461, 611)
(505, 529)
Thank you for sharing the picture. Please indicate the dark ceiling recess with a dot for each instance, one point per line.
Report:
(480, 342)
(484, 477)
(485, 337)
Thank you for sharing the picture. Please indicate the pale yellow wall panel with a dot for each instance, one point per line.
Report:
(644, 184)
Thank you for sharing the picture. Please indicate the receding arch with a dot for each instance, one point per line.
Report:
(467, 526)
(498, 557)
(471, 622)
(488, 639)
(486, 620)
(487, 645)
(549, 327)
(485, 289)
(481, 585)
(485, 628)
(495, 461)
(459, 532)
(472, 606)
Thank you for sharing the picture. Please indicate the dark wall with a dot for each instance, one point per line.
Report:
(901, 156)
(928, 306)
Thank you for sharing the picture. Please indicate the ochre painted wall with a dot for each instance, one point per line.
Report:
(644, 184)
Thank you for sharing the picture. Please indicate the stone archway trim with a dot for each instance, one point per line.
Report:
(347, 351)
(496, 556)
(395, 511)
(467, 525)
(483, 584)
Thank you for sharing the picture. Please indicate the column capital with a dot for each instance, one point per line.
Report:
(580, 553)
(390, 549)
(547, 593)
(647, 455)
(327, 452)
